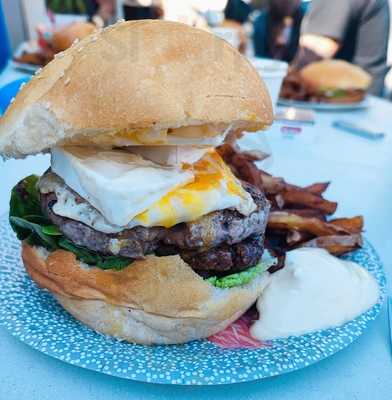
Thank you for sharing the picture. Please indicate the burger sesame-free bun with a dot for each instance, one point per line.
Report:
(64, 37)
(335, 74)
(158, 300)
(136, 76)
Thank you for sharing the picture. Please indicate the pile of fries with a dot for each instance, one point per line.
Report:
(300, 216)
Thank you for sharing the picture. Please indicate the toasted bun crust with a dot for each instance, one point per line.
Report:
(136, 75)
(63, 38)
(335, 74)
(159, 300)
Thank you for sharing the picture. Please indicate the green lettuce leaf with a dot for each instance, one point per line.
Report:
(24, 201)
(29, 224)
(240, 278)
(334, 93)
(92, 258)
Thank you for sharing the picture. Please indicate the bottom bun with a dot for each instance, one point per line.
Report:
(158, 300)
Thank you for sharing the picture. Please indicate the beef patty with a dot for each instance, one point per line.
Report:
(223, 240)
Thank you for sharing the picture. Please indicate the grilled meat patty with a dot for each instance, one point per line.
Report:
(220, 241)
(226, 257)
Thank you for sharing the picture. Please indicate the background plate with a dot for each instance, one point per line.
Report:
(34, 317)
(325, 106)
(30, 47)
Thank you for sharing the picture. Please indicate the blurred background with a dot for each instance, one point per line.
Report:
(277, 35)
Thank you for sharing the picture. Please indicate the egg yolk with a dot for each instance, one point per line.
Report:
(211, 173)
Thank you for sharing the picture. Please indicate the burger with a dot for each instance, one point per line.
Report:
(55, 42)
(335, 81)
(63, 38)
(138, 228)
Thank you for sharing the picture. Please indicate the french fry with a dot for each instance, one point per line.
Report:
(275, 242)
(296, 237)
(227, 151)
(279, 265)
(249, 173)
(304, 198)
(271, 184)
(352, 225)
(298, 214)
(278, 201)
(255, 155)
(336, 245)
(317, 188)
(286, 221)
(306, 212)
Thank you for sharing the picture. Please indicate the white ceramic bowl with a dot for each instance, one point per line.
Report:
(273, 73)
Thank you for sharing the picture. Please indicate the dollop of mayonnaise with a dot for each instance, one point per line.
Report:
(314, 291)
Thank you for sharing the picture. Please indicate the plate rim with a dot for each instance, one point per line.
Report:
(323, 106)
(256, 375)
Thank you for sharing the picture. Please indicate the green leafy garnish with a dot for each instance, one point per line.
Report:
(51, 230)
(114, 262)
(81, 253)
(92, 258)
(239, 278)
(24, 201)
(334, 93)
(29, 224)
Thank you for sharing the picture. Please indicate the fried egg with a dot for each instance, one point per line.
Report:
(141, 193)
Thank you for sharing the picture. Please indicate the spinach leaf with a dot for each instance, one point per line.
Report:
(37, 219)
(81, 253)
(51, 230)
(114, 262)
(29, 224)
(104, 262)
(25, 198)
(47, 241)
(24, 201)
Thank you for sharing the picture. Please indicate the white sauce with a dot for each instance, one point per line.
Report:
(314, 291)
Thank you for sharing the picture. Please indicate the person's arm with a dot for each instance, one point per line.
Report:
(314, 48)
(323, 30)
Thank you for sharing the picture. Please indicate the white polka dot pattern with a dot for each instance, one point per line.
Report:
(33, 316)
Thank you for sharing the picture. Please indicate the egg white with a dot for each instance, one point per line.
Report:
(213, 187)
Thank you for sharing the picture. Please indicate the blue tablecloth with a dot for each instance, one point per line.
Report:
(361, 175)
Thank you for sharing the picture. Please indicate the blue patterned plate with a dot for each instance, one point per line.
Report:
(33, 316)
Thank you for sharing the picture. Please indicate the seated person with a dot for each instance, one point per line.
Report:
(100, 12)
(146, 9)
(277, 29)
(353, 30)
(238, 10)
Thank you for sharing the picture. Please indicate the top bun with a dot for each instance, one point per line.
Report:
(63, 38)
(137, 76)
(335, 74)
